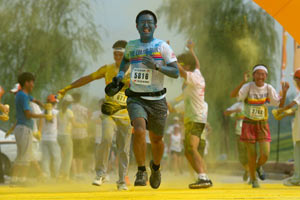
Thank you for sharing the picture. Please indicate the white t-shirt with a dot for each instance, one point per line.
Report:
(96, 116)
(257, 98)
(296, 124)
(176, 144)
(49, 131)
(143, 79)
(238, 122)
(36, 110)
(195, 106)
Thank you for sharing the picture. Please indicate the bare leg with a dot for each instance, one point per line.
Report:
(264, 153)
(251, 160)
(157, 146)
(139, 140)
(193, 156)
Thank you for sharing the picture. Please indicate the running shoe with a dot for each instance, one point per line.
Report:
(99, 180)
(155, 177)
(122, 186)
(201, 183)
(245, 176)
(261, 174)
(255, 184)
(141, 178)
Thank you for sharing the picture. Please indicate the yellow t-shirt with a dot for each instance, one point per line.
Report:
(108, 72)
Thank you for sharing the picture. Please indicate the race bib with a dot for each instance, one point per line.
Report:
(142, 76)
(257, 112)
(120, 98)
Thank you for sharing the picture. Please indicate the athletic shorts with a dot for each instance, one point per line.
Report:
(255, 131)
(79, 148)
(192, 128)
(23, 136)
(153, 111)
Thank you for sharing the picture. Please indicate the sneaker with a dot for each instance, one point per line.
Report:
(201, 183)
(155, 177)
(255, 184)
(291, 182)
(122, 186)
(261, 174)
(245, 176)
(99, 180)
(141, 178)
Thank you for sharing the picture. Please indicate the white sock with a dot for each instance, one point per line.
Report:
(203, 176)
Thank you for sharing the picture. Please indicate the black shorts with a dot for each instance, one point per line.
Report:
(196, 129)
(153, 111)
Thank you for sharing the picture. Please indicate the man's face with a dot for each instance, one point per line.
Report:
(259, 77)
(146, 26)
(118, 56)
(29, 85)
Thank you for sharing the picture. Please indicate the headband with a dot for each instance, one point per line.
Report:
(120, 49)
(260, 67)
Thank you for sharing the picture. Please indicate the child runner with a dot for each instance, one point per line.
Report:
(195, 115)
(236, 111)
(51, 155)
(150, 59)
(295, 179)
(257, 95)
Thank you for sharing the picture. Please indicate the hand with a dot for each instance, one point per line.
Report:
(190, 45)
(246, 77)
(37, 135)
(4, 108)
(149, 62)
(285, 86)
(48, 117)
(117, 80)
(61, 93)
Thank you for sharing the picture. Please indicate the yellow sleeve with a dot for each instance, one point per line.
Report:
(100, 73)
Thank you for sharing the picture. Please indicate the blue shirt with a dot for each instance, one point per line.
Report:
(22, 104)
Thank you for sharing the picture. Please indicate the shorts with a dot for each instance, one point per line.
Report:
(79, 148)
(196, 129)
(154, 112)
(23, 136)
(255, 131)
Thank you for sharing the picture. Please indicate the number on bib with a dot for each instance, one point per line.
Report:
(257, 112)
(120, 98)
(142, 76)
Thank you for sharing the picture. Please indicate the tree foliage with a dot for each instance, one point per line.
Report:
(54, 39)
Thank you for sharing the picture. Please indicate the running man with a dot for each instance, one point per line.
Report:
(195, 115)
(115, 118)
(151, 59)
(257, 95)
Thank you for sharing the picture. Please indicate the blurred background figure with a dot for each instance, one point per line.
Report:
(79, 135)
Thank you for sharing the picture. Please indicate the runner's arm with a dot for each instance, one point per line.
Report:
(100, 73)
(190, 45)
(229, 112)
(285, 87)
(29, 115)
(170, 70)
(182, 72)
(235, 92)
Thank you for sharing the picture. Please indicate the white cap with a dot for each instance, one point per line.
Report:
(16, 88)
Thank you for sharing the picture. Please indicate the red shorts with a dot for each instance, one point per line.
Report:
(255, 131)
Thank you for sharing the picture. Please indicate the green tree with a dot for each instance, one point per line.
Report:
(231, 36)
(53, 39)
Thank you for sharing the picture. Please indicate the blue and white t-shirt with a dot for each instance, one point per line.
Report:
(143, 79)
